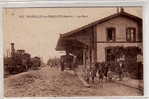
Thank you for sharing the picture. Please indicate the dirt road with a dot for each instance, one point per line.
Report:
(52, 82)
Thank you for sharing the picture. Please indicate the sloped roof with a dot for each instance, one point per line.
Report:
(122, 13)
(68, 34)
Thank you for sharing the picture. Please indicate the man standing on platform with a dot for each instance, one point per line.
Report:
(69, 60)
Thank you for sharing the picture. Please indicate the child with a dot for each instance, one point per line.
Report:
(88, 73)
(101, 76)
(109, 74)
(93, 73)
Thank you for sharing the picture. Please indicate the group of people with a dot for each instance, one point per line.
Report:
(104, 71)
(101, 70)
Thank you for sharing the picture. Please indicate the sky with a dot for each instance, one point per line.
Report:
(36, 30)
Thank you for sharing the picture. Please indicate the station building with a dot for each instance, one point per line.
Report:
(96, 42)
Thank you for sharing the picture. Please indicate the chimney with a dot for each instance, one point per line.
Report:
(121, 9)
(12, 49)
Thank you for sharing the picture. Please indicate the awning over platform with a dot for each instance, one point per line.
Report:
(69, 43)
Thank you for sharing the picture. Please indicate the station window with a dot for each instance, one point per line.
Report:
(110, 34)
(131, 34)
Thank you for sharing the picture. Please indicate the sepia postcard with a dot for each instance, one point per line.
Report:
(73, 51)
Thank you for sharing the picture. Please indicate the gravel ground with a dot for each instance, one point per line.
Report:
(52, 82)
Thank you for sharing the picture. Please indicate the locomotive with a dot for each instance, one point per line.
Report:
(20, 61)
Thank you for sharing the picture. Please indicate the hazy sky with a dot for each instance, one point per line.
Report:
(37, 29)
